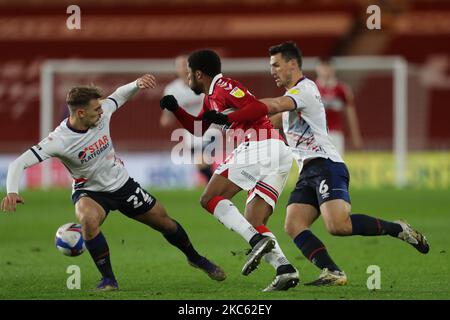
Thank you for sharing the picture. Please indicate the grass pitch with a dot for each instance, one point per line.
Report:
(147, 267)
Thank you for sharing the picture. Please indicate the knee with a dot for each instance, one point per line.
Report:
(339, 228)
(293, 229)
(289, 230)
(204, 200)
(88, 222)
(89, 226)
(255, 221)
(168, 226)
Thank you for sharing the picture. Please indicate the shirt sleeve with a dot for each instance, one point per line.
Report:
(47, 148)
(168, 90)
(188, 121)
(238, 97)
(303, 97)
(119, 97)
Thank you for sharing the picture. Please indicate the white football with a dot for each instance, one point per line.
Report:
(69, 239)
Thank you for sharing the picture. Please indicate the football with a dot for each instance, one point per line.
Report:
(69, 239)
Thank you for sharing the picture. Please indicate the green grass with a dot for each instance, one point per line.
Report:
(147, 267)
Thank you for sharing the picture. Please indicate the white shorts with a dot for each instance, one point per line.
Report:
(260, 167)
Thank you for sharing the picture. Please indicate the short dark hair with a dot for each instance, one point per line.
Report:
(80, 96)
(288, 50)
(207, 61)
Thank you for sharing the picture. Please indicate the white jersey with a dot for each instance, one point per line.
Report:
(306, 126)
(88, 155)
(190, 102)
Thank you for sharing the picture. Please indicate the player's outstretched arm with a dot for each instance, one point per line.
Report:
(15, 170)
(125, 92)
(252, 111)
(280, 104)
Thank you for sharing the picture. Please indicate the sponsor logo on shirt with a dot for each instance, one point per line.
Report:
(93, 150)
(294, 91)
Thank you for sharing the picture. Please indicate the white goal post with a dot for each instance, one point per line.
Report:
(396, 65)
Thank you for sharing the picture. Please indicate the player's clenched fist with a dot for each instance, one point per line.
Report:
(146, 81)
(168, 102)
(9, 202)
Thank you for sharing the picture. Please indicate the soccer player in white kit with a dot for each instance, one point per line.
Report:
(101, 183)
(322, 187)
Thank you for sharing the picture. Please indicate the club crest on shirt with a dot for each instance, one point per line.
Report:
(101, 124)
(237, 93)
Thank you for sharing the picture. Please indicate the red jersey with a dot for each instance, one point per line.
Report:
(334, 100)
(225, 93)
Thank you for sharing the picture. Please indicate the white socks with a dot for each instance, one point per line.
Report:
(275, 257)
(227, 213)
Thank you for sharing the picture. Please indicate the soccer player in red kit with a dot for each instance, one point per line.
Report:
(260, 164)
(338, 101)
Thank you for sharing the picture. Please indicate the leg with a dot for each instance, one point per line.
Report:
(215, 199)
(340, 222)
(299, 218)
(331, 186)
(257, 213)
(175, 234)
(91, 215)
(261, 202)
(302, 211)
(336, 215)
(157, 219)
(218, 186)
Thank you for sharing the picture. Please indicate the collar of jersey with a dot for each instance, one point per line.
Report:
(73, 129)
(213, 82)
(300, 80)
